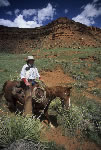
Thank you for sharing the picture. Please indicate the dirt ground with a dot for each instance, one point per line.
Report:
(69, 143)
(57, 77)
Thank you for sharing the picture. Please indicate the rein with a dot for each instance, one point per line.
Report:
(43, 110)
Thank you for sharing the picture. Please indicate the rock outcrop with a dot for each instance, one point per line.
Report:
(59, 33)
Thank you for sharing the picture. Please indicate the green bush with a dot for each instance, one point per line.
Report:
(18, 132)
(56, 103)
(80, 85)
(71, 120)
(96, 68)
(18, 127)
(85, 118)
(96, 92)
(33, 145)
(53, 146)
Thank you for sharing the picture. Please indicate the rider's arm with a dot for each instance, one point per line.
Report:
(25, 81)
(23, 75)
(23, 72)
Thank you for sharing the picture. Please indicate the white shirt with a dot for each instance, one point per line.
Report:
(31, 73)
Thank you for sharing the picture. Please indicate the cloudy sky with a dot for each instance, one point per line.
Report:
(36, 13)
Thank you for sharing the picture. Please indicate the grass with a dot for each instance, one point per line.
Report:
(83, 120)
(18, 127)
(96, 91)
(18, 131)
(84, 114)
(10, 66)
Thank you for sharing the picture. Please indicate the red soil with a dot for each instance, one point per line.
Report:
(57, 77)
(68, 142)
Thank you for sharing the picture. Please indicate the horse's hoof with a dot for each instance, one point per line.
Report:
(51, 125)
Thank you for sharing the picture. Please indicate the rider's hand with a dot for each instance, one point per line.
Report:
(26, 81)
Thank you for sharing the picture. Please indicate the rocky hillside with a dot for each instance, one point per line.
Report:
(59, 33)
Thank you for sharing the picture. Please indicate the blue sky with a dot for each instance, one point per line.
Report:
(36, 13)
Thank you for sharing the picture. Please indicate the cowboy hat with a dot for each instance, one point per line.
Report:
(30, 58)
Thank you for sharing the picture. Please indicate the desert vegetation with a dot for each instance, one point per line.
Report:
(82, 120)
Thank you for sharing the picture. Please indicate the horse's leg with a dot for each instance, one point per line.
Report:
(28, 102)
(19, 107)
(63, 104)
(66, 103)
(11, 107)
(69, 102)
(48, 119)
(47, 116)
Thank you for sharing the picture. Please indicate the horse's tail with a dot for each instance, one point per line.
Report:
(3, 89)
(1, 95)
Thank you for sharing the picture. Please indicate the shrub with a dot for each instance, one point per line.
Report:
(55, 104)
(85, 118)
(32, 145)
(71, 120)
(96, 68)
(80, 85)
(96, 92)
(18, 127)
(18, 132)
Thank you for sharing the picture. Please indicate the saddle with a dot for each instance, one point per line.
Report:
(38, 92)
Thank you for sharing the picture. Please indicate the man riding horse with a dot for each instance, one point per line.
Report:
(28, 84)
(29, 72)
(29, 75)
(31, 97)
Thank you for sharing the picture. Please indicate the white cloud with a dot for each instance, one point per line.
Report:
(29, 12)
(23, 20)
(4, 3)
(19, 22)
(22, 23)
(7, 23)
(89, 13)
(9, 13)
(66, 11)
(46, 13)
(94, 1)
(17, 11)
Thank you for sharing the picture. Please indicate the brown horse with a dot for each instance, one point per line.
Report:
(23, 100)
(51, 93)
(15, 100)
(59, 91)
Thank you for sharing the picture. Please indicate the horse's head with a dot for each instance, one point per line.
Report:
(64, 94)
(59, 91)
